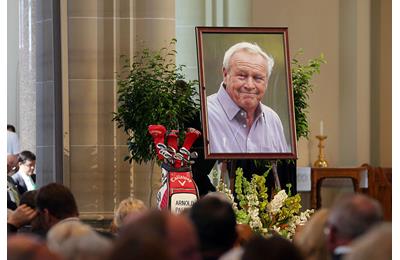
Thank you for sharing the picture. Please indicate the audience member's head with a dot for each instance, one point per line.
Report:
(142, 238)
(10, 128)
(28, 198)
(244, 234)
(375, 244)
(273, 248)
(12, 163)
(55, 202)
(157, 235)
(28, 247)
(27, 162)
(215, 222)
(350, 217)
(311, 239)
(75, 240)
(182, 238)
(220, 195)
(127, 207)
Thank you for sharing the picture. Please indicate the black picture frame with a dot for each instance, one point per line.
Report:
(212, 42)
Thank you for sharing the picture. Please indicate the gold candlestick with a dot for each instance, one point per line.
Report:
(321, 162)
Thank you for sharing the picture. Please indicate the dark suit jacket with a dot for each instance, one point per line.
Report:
(20, 183)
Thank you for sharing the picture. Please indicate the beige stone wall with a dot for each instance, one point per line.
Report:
(342, 97)
(98, 33)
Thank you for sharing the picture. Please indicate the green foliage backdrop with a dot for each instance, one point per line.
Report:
(302, 88)
(152, 90)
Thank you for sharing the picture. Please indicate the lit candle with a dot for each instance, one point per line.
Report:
(321, 128)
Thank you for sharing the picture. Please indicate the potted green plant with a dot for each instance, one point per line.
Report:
(152, 90)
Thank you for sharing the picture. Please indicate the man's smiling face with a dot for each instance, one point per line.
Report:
(246, 79)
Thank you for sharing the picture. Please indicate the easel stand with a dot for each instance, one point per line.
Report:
(276, 176)
(233, 168)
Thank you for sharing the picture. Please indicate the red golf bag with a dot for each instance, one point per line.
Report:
(178, 191)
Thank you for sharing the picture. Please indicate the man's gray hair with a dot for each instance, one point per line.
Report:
(354, 214)
(76, 240)
(250, 47)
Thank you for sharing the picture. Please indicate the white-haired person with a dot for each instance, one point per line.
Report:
(74, 240)
(127, 207)
(237, 120)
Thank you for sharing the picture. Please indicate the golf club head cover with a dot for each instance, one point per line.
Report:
(158, 134)
(190, 137)
(172, 139)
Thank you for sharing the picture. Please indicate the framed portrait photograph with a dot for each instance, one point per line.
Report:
(246, 93)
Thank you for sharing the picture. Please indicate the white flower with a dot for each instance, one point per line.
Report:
(276, 228)
(253, 200)
(277, 202)
(255, 222)
(252, 213)
(304, 217)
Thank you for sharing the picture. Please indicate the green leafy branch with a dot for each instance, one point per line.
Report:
(152, 90)
(302, 88)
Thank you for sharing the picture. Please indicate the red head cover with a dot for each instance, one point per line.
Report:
(158, 134)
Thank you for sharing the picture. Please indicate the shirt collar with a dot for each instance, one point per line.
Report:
(229, 106)
(23, 175)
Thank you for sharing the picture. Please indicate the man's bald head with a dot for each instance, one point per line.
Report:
(182, 238)
(350, 217)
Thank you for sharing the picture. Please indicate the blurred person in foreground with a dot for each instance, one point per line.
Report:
(127, 207)
(156, 235)
(215, 223)
(375, 244)
(55, 204)
(74, 240)
(350, 217)
(272, 248)
(28, 247)
(21, 216)
(311, 239)
(33, 226)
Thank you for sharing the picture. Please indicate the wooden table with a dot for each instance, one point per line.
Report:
(319, 174)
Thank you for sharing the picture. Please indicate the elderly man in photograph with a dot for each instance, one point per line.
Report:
(237, 120)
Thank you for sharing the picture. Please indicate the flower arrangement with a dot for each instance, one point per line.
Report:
(279, 215)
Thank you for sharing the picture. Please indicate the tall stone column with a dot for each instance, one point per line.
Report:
(27, 75)
(189, 14)
(355, 87)
(238, 13)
